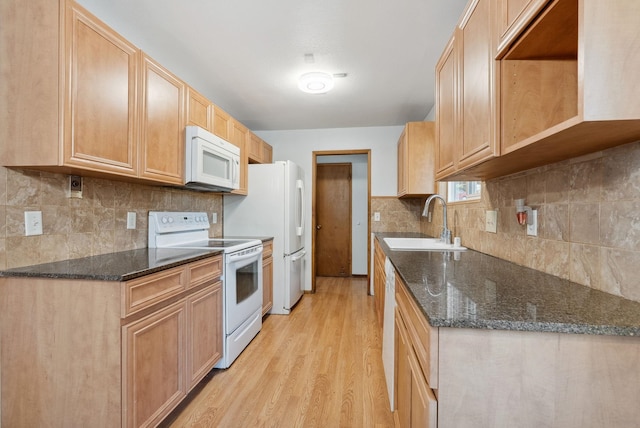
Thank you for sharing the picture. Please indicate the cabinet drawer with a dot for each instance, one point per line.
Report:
(145, 292)
(204, 270)
(267, 249)
(423, 337)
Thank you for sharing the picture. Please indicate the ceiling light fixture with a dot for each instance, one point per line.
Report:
(315, 82)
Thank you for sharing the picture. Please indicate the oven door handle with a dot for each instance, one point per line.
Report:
(239, 257)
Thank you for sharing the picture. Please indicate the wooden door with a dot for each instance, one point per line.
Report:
(162, 124)
(333, 219)
(100, 132)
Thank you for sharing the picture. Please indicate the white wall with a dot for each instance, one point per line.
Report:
(299, 145)
(359, 208)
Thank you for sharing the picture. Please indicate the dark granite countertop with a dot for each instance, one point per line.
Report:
(120, 266)
(468, 289)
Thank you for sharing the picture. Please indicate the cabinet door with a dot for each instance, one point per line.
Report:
(154, 366)
(403, 374)
(221, 123)
(514, 16)
(199, 110)
(446, 110)
(255, 148)
(424, 407)
(240, 137)
(100, 109)
(205, 332)
(267, 153)
(267, 284)
(478, 140)
(402, 163)
(161, 124)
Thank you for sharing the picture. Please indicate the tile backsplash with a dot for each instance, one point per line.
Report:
(588, 220)
(396, 215)
(95, 224)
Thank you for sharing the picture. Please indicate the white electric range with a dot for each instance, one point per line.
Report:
(241, 275)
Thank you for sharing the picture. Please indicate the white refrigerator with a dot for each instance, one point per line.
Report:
(274, 207)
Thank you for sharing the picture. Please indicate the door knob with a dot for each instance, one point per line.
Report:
(318, 227)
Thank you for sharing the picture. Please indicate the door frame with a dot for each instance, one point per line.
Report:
(315, 155)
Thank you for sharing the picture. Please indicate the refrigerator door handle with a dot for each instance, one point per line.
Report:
(298, 256)
(300, 227)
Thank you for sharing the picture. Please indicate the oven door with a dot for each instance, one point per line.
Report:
(242, 286)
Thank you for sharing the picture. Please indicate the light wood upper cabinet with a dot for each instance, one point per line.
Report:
(467, 93)
(84, 123)
(103, 108)
(478, 140)
(100, 118)
(239, 136)
(199, 110)
(513, 17)
(446, 111)
(416, 160)
(162, 123)
(259, 150)
(221, 123)
(559, 90)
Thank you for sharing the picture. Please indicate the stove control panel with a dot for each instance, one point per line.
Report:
(171, 221)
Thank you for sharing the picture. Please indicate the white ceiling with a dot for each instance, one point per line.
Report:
(246, 55)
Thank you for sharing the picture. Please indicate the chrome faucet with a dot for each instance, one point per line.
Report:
(445, 236)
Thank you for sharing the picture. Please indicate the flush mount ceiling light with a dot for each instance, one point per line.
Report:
(315, 82)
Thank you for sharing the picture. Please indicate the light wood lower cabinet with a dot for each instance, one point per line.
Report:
(267, 277)
(416, 404)
(469, 378)
(154, 365)
(74, 353)
(379, 281)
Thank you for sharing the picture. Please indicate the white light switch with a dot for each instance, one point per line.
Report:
(376, 216)
(214, 218)
(532, 229)
(131, 220)
(32, 223)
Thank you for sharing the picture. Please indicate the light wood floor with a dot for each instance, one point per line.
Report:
(320, 366)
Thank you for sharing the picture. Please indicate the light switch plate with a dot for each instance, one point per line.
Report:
(131, 220)
(376, 216)
(532, 229)
(491, 221)
(214, 218)
(32, 223)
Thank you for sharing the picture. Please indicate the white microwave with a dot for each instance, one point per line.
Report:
(212, 163)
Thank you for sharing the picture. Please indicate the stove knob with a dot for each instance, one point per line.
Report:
(164, 220)
(170, 220)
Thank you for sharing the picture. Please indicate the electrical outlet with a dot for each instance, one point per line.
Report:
(532, 229)
(214, 218)
(75, 186)
(491, 221)
(32, 223)
(376, 216)
(131, 220)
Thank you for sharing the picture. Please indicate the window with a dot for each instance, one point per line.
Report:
(458, 191)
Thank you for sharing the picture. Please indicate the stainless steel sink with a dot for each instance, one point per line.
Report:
(420, 244)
